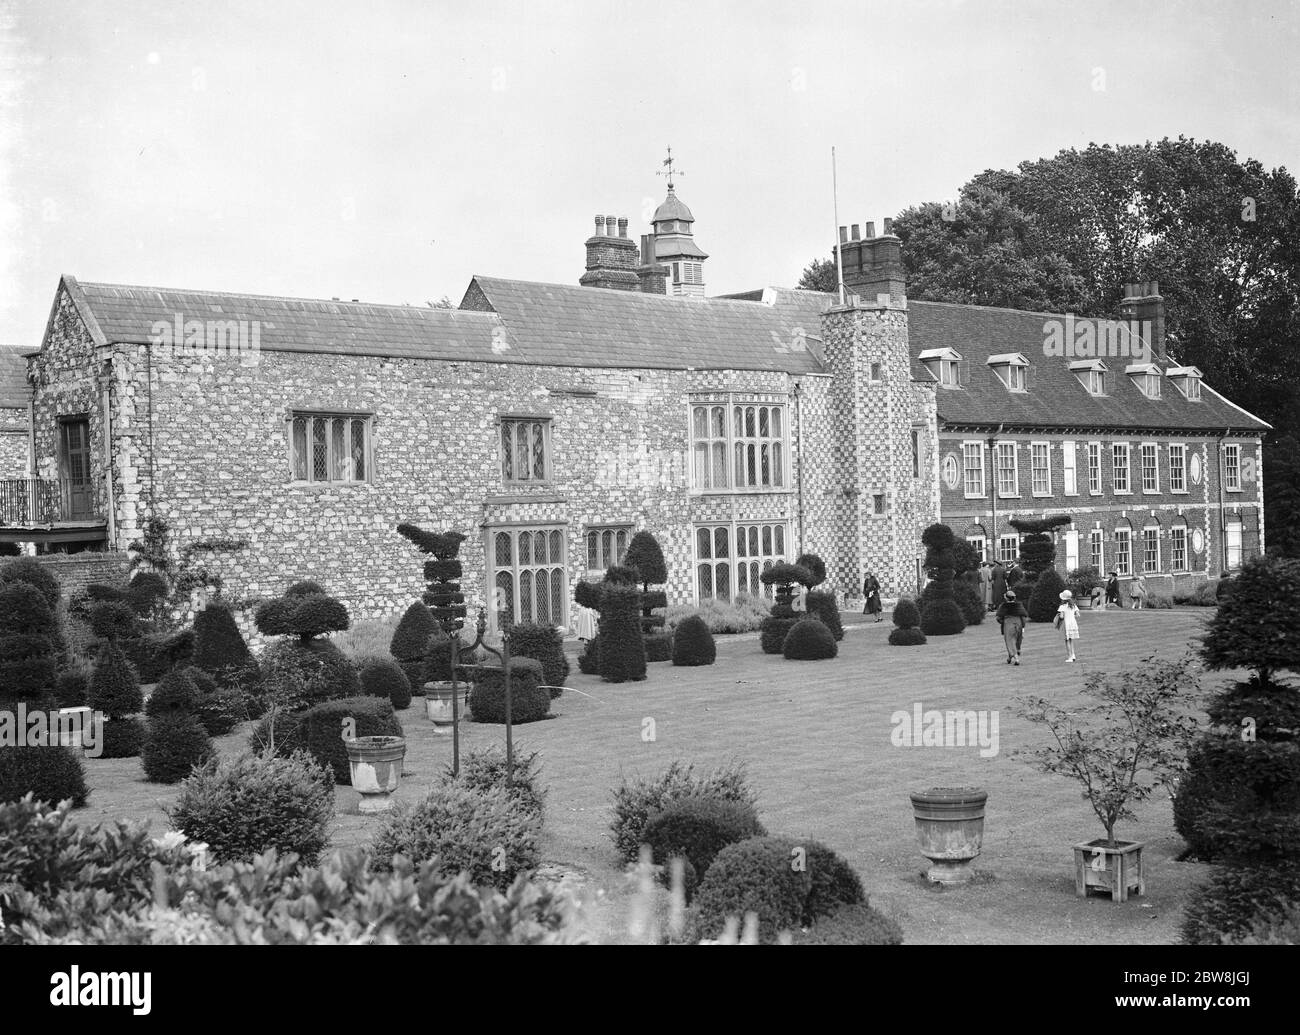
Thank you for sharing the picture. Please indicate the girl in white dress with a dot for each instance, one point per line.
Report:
(1067, 619)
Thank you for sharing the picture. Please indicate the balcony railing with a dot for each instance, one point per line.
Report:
(29, 502)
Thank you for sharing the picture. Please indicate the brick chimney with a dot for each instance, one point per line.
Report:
(654, 277)
(611, 257)
(1142, 302)
(873, 266)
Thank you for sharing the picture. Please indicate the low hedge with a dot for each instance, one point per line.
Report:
(809, 640)
(174, 743)
(528, 701)
(693, 643)
(49, 773)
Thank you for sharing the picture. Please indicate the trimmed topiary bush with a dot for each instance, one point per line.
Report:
(940, 615)
(301, 674)
(906, 614)
(383, 677)
(857, 924)
(28, 645)
(622, 646)
(1239, 899)
(637, 799)
(809, 640)
(906, 637)
(589, 659)
(528, 702)
(122, 738)
(110, 620)
(411, 641)
(815, 566)
(1045, 599)
(220, 711)
(50, 774)
(543, 643)
(32, 572)
(114, 688)
(176, 692)
(321, 730)
(833, 882)
(174, 742)
(647, 558)
(969, 600)
(457, 827)
(825, 607)
(693, 643)
(244, 806)
(658, 646)
(218, 644)
(697, 827)
(72, 688)
(755, 875)
(773, 631)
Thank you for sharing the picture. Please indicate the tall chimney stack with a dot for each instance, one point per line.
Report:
(653, 277)
(611, 257)
(873, 266)
(1142, 302)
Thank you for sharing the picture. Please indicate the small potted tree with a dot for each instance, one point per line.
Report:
(1121, 750)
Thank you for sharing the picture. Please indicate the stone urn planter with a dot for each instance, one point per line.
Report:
(1114, 870)
(376, 764)
(437, 704)
(950, 829)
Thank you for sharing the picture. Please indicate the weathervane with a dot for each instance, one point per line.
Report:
(669, 163)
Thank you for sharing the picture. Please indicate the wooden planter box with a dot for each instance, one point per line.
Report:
(1121, 873)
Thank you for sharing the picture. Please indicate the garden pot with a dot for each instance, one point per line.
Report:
(950, 829)
(376, 764)
(1115, 870)
(437, 704)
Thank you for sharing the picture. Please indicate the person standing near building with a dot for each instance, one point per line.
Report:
(1012, 618)
(998, 582)
(1067, 620)
(986, 585)
(1112, 589)
(1138, 592)
(871, 595)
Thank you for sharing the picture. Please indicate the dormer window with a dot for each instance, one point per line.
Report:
(944, 365)
(1187, 380)
(1012, 370)
(1091, 374)
(1147, 378)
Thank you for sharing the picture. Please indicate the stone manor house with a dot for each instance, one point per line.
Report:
(549, 422)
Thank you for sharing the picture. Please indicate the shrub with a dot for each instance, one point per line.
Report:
(49, 773)
(833, 883)
(784, 577)
(368, 639)
(906, 614)
(969, 600)
(1159, 601)
(383, 677)
(586, 593)
(174, 743)
(906, 637)
(773, 631)
(220, 711)
(457, 827)
(410, 640)
(825, 607)
(301, 674)
(815, 566)
(122, 738)
(321, 730)
(528, 701)
(743, 614)
(1082, 581)
(589, 659)
(658, 646)
(32, 572)
(114, 688)
(1255, 623)
(175, 693)
(483, 768)
(146, 592)
(857, 924)
(756, 876)
(940, 615)
(1045, 599)
(306, 588)
(1203, 595)
(809, 640)
(697, 827)
(28, 644)
(218, 643)
(622, 647)
(1238, 900)
(155, 654)
(110, 620)
(72, 688)
(693, 643)
(244, 806)
(635, 800)
(645, 555)
(542, 643)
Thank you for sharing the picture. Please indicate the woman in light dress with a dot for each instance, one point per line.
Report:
(1067, 620)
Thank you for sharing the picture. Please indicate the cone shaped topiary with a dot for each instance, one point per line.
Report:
(174, 743)
(218, 643)
(114, 688)
(175, 692)
(410, 641)
(809, 640)
(28, 651)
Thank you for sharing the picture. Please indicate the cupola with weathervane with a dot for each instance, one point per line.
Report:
(674, 240)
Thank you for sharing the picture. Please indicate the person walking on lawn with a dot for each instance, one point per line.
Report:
(871, 593)
(1012, 618)
(1067, 619)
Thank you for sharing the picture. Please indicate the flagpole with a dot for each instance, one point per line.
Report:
(835, 200)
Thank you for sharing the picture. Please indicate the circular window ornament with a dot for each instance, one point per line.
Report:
(1196, 468)
(951, 473)
(1198, 541)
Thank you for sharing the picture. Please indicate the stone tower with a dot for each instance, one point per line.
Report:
(885, 421)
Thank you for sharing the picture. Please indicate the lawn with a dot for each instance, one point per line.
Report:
(816, 737)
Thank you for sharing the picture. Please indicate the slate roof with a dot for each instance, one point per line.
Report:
(127, 314)
(15, 392)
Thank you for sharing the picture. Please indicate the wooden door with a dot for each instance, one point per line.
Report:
(74, 467)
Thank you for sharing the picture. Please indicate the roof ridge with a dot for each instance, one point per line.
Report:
(647, 296)
(278, 298)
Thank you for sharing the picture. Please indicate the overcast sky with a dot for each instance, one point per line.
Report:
(391, 149)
